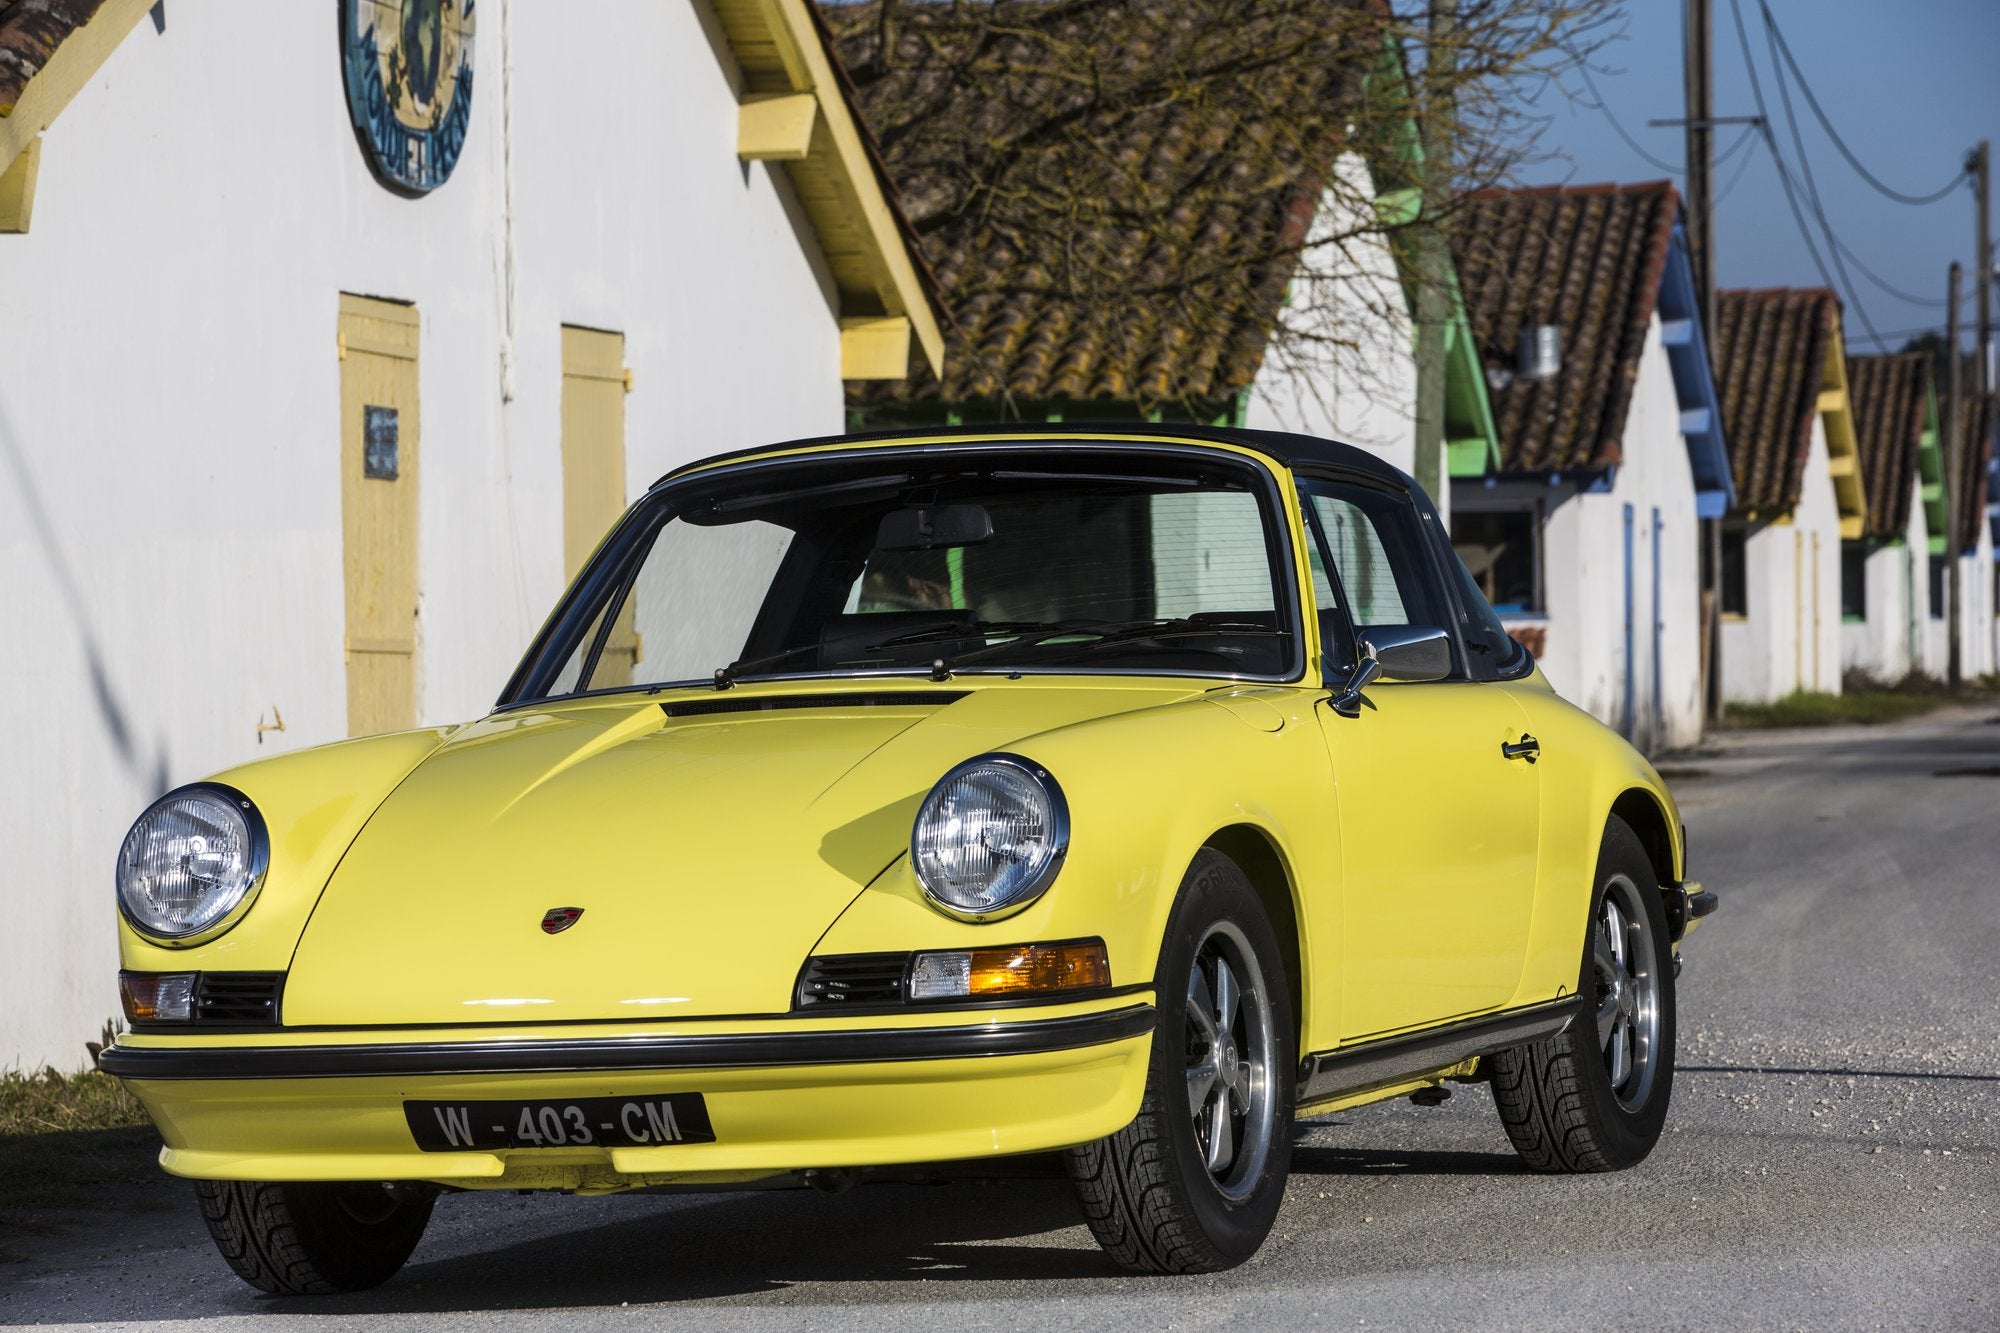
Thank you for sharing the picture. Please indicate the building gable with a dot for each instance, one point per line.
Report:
(48, 50)
(1779, 357)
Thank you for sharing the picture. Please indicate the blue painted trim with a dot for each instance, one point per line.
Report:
(1694, 382)
(1631, 681)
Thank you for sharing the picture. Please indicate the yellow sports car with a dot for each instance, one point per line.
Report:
(878, 803)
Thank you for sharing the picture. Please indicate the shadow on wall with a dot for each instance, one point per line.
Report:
(111, 712)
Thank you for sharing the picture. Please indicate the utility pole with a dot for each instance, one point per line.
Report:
(1697, 60)
(1982, 257)
(1954, 416)
(1433, 250)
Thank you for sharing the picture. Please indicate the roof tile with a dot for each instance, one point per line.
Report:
(1587, 259)
(1888, 395)
(1770, 355)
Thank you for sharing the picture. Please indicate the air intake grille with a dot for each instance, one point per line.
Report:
(769, 703)
(248, 999)
(854, 978)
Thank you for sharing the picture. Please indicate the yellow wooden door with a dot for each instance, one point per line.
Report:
(593, 458)
(378, 503)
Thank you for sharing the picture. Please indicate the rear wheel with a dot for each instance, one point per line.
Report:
(314, 1239)
(1193, 1184)
(1594, 1098)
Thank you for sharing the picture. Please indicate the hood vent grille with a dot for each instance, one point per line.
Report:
(248, 999)
(771, 703)
(853, 978)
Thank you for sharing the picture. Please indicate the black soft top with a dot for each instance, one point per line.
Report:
(1280, 447)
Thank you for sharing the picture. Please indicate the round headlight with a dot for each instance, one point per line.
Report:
(990, 837)
(190, 860)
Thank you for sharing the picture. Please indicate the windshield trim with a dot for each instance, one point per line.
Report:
(657, 506)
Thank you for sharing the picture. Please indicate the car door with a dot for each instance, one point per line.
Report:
(1439, 825)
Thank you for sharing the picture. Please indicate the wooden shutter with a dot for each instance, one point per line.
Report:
(378, 501)
(593, 457)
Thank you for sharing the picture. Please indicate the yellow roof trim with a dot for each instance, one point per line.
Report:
(779, 50)
(73, 64)
(1843, 453)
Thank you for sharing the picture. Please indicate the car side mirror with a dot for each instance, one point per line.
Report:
(1394, 655)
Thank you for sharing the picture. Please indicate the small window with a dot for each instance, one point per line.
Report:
(1853, 581)
(1501, 550)
(1380, 574)
(1937, 587)
(1735, 577)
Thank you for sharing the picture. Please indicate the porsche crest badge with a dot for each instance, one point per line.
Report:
(558, 919)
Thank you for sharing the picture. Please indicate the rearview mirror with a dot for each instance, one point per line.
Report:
(934, 527)
(1394, 655)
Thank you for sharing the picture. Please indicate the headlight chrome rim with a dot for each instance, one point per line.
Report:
(258, 841)
(1044, 876)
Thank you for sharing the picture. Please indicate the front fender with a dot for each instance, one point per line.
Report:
(314, 802)
(1146, 791)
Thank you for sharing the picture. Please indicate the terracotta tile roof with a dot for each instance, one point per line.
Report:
(1888, 395)
(1588, 260)
(1155, 295)
(1982, 418)
(30, 32)
(1770, 355)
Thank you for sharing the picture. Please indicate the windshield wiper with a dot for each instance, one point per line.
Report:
(1036, 630)
(1180, 628)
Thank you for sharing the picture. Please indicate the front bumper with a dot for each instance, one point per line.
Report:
(781, 1099)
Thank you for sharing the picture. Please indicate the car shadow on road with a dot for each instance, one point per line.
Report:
(1317, 1160)
(707, 1247)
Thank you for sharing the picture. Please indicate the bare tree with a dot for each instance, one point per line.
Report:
(1203, 185)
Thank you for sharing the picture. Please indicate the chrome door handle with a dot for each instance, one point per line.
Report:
(1527, 748)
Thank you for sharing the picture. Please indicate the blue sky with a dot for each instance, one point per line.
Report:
(1910, 85)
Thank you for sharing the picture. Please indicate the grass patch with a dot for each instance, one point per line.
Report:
(62, 1135)
(1863, 700)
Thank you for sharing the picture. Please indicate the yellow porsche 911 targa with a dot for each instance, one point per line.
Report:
(897, 803)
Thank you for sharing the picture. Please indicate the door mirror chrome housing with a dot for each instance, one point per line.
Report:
(1394, 655)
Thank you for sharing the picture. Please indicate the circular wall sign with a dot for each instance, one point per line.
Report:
(408, 66)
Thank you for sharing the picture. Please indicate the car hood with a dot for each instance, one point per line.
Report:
(708, 851)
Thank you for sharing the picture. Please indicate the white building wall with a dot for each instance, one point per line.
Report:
(1584, 577)
(1926, 636)
(1880, 643)
(1975, 582)
(1348, 372)
(170, 500)
(1789, 638)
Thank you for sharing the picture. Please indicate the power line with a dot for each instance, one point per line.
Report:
(1778, 160)
(1834, 246)
(1771, 23)
(1671, 168)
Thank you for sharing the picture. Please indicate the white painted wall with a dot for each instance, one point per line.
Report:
(1927, 636)
(1880, 643)
(1789, 638)
(1583, 575)
(1348, 372)
(1975, 581)
(170, 526)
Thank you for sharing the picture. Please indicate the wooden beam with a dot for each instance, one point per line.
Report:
(17, 189)
(776, 127)
(1832, 400)
(74, 63)
(874, 347)
(1841, 465)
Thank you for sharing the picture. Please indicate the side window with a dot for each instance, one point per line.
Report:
(1381, 573)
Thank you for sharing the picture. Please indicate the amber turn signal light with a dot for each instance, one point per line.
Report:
(157, 997)
(1016, 970)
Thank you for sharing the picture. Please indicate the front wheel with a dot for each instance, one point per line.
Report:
(314, 1239)
(1193, 1184)
(1594, 1097)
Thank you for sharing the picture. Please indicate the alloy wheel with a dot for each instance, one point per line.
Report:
(1231, 1051)
(1628, 992)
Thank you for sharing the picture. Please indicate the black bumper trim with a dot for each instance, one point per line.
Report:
(666, 1054)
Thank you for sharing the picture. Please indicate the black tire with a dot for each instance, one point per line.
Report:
(313, 1239)
(1564, 1100)
(1148, 1191)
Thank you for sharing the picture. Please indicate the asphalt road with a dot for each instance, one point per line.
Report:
(1832, 1158)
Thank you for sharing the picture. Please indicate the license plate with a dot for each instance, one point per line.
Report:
(583, 1122)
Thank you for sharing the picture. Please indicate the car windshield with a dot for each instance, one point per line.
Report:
(1077, 560)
